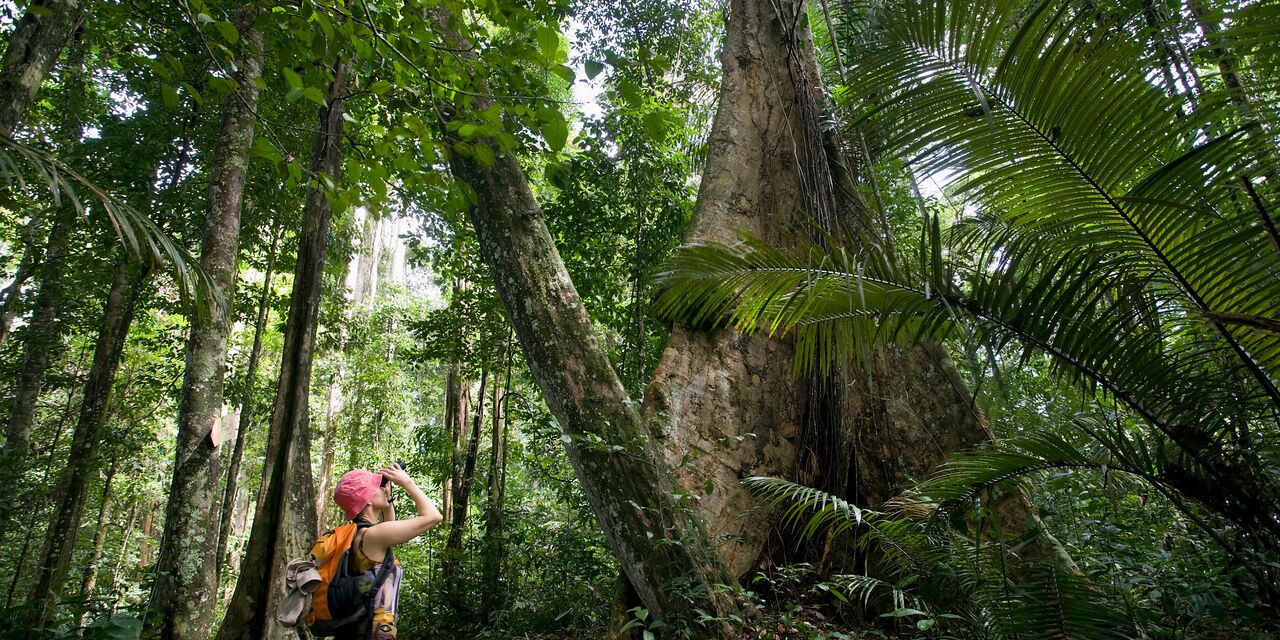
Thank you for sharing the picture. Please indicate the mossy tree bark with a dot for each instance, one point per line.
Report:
(285, 522)
(37, 40)
(245, 419)
(185, 591)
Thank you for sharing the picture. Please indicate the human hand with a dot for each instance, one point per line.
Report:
(394, 474)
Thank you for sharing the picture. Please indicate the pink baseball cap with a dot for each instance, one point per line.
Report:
(355, 491)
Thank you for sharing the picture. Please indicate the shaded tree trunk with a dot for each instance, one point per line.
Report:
(497, 488)
(26, 265)
(285, 521)
(89, 583)
(246, 406)
(60, 541)
(185, 590)
(37, 40)
(42, 341)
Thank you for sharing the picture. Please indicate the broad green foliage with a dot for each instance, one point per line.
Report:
(1100, 260)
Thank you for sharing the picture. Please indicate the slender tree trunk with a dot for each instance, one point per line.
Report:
(89, 583)
(332, 406)
(656, 539)
(1263, 146)
(148, 532)
(43, 338)
(285, 521)
(34, 46)
(456, 408)
(60, 541)
(186, 573)
(246, 405)
(463, 498)
(48, 467)
(497, 471)
(117, 572)
(26, 265)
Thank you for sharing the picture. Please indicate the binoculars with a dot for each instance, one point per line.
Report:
(398, 463)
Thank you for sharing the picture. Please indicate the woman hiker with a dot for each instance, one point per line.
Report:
(365, 498)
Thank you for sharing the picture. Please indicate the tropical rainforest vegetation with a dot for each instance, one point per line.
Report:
(738, 319)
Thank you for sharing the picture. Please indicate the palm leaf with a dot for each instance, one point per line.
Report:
(138, 233)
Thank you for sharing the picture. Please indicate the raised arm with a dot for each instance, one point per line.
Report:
(384, 535)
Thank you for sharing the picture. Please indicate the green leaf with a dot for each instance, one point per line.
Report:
(264, 149)
(655, 125)
(468, 131)
(191, 91)
(380, 87)
(903, 613)
(169, 96)
(484, 155)
(564, 72)
(593, 69)
(548, 41)
(925, 624)
(313, 94)
(554, 128)
(630, 93)
(227, 31)
(291, 78)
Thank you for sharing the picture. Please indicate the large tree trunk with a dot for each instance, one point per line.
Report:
(285, 522)
(728, 402)
(34, 45)
(185, 590)
(60, 541)
(245, 418)
(729, 407)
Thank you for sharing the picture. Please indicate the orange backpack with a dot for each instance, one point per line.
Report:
(344, 599)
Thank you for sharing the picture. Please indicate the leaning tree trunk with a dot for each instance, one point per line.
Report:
(245, 419)
(185, 590)
(657, 540)
(285, 520)
(117, 316)
(36, 41)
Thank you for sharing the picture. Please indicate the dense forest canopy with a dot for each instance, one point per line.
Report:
(734, 319)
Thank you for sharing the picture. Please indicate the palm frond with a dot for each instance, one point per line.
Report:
(138, 233)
